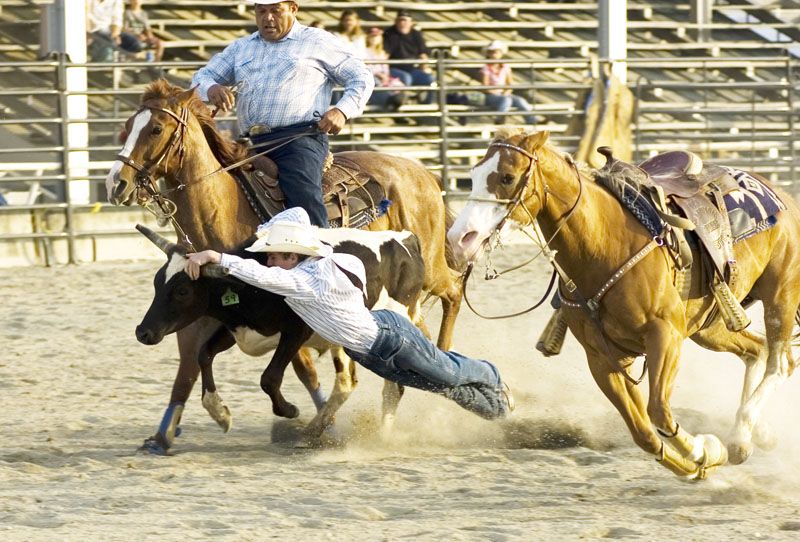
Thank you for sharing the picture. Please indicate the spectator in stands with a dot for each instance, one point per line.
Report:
(316, 23)
(137, 23)
(402, 42)
(285, 72)
(390, 100)
(104, 29)
(349, 31)
(499, 73)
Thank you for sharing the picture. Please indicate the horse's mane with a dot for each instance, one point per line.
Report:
(227, 152)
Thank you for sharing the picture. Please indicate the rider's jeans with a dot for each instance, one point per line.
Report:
(300, 172)
(402, 354)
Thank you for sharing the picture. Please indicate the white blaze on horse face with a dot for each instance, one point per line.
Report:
(139, 122)
(480, 216)
(177, 263)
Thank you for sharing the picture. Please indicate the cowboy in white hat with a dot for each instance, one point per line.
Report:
(310, 276)
(285, 72)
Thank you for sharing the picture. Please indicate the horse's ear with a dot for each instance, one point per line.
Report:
(186, 95)
(536, 141)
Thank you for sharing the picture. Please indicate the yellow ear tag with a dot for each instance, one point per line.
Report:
(230, 298)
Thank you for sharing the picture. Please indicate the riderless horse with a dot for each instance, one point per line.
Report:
(617, 285)
(173, 136)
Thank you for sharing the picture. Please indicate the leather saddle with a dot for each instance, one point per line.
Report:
(688, 195)
(352, 197)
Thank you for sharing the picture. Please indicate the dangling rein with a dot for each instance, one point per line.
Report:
(591, 306)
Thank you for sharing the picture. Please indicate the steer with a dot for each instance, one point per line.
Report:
(258, 321)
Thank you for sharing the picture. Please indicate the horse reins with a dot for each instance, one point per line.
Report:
(515, 201)
(144, 181)
(592, 305)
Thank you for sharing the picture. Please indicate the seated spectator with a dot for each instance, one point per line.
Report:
(137, 23)
(499, 73)
(402, 42)
(349, 31)
(316, 23)
(104, 29)
(390, 100)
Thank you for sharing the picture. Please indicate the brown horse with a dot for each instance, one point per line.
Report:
(525, 179)
(173, 136)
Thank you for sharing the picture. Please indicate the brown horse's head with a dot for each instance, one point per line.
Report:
(169, 123)
(507, 175)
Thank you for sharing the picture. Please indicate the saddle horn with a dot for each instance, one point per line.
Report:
(163, 243)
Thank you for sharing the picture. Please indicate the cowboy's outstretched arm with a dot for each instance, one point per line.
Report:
(286, 282)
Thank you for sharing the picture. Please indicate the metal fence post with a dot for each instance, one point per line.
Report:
(790, 103)
(443, 141)
(61, 82)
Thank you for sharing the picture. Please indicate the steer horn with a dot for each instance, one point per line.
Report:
(161, 242)
(213, 271)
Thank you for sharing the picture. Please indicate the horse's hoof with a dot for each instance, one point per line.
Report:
(314, 430)
(288, 411)
(738, 452)
(764, 437)
(218, 410)
(155, 446)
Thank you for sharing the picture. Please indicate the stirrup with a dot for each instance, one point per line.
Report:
(552, 338)
(729, 307)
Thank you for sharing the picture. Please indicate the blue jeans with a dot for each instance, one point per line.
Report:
(402, 354)
(504, 102)
(300, 171)
(415, 77)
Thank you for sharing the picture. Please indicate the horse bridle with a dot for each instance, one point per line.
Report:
(591, 306)
(145, 185)
(518, 200)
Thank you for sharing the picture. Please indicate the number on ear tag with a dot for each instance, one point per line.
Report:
(230, 298)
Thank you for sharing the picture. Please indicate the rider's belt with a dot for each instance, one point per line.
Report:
(258, 129)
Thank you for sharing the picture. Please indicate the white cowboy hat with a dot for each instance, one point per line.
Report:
(284, 236)
(497, 45)
(270, 2)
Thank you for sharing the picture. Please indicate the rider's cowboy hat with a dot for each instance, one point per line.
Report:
(270, 2)
(284, 236)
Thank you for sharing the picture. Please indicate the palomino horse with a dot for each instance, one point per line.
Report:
(173, 136)
(522, 178)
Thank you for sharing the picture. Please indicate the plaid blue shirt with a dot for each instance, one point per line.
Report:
(290, 80)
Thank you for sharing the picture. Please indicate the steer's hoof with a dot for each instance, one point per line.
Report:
(738, 452)
(286, 411)
(155, 446)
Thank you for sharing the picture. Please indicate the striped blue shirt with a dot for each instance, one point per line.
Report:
(288, 81)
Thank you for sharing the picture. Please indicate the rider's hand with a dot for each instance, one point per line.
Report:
(196, 260)
(221, 97)
(332, 122)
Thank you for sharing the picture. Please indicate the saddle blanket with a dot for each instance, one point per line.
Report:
(752, 208)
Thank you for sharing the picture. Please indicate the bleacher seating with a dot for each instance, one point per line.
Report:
(726, 97)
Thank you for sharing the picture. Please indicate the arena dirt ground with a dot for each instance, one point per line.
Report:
(78, 395)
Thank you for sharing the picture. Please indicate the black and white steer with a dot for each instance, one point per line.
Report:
(259, 321)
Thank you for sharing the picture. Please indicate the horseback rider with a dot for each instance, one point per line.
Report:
(285, 73)
(312, 277)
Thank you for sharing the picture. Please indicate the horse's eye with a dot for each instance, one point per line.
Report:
(157, 130)
(508, 179)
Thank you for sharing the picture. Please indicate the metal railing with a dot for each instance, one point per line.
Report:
(745, 123)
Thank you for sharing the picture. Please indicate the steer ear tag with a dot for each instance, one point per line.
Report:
(230, 298)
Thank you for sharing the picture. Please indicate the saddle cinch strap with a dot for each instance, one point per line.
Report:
(688, 196)
(352, 198)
